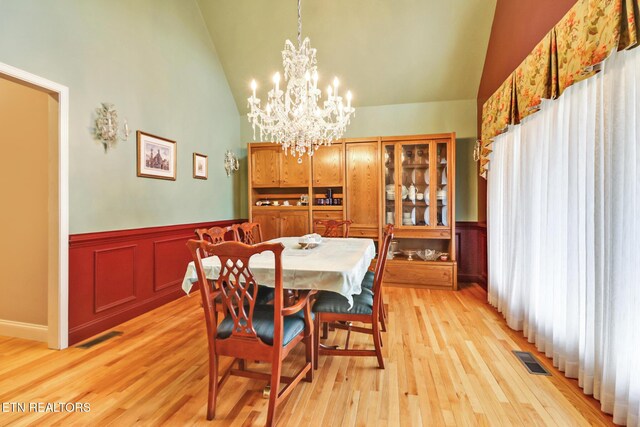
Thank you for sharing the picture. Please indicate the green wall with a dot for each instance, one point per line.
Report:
(410, 119)
(155, 61)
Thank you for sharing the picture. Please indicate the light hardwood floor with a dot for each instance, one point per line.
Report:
(448, 362)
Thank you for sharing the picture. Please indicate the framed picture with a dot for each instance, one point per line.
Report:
(157, 157)
(200, 166)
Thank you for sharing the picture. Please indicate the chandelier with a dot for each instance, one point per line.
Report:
(294, 117)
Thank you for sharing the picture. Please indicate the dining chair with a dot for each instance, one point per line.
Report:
(224, 234)
(249, 331)
(333, 308)
(248, 232)
(367, 283)
(217, 234)
(333, 228)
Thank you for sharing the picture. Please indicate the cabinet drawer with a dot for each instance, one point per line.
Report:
(363, 232)
(422, 233)
(418, 273)
(335, 215)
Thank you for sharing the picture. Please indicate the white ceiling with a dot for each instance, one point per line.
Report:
(384, 51)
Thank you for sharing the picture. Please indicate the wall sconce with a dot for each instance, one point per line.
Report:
(477, 148)
(106, 130)
(231, 163)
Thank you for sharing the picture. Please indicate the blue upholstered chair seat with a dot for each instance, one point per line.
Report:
(331, 302)
(367, 282)
(263, 325)
(265, 295)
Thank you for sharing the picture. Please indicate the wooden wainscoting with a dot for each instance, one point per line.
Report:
(471, 246)
(115, 276)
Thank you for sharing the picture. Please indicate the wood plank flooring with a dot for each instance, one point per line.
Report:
(448, 362)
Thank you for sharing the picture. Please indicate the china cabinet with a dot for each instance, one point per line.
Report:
(418, 187)
(407, 181)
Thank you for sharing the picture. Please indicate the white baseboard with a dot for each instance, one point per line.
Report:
(27, 331)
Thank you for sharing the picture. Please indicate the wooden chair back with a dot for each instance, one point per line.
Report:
(380, 265)
(237, 287)
(333, 228)
(199, 250)
(217, 234)
(248, 233)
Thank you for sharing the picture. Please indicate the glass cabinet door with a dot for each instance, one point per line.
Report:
(415, 185)
(442, 192)
(390, 184)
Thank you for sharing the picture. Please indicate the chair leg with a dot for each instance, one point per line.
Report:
(325, 330)
(377, 342)
(383, 315)
(213, 386)
(276, 368)
(346, 345)
(310, 350)
(316, 335)
(384, 308)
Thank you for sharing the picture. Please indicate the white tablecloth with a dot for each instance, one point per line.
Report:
(336, 265)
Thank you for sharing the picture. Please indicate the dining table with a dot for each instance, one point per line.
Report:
(335, 264)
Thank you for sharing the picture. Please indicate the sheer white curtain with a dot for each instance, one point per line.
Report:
(564, 233)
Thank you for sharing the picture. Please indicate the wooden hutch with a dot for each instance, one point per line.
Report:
(408, 181)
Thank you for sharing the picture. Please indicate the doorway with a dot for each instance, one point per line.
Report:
(34, 219)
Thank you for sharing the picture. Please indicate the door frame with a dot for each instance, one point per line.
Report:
(57, 293)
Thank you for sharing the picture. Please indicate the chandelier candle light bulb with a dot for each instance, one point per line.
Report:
(296, 117)
(276, 80)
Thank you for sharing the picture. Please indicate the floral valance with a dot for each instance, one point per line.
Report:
(570, 52)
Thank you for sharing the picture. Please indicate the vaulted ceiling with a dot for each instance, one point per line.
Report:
(384, 51)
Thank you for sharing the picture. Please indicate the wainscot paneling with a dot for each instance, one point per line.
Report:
(106, 295)
(169, 256)
(471, 246)
(117, 275)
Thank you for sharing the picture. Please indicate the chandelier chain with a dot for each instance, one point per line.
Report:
(299, 22)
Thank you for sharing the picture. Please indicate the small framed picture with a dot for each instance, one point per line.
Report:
(157, 157)
(200, 166)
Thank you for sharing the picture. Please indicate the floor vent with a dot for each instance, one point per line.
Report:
(100, 339)
(531, 363)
